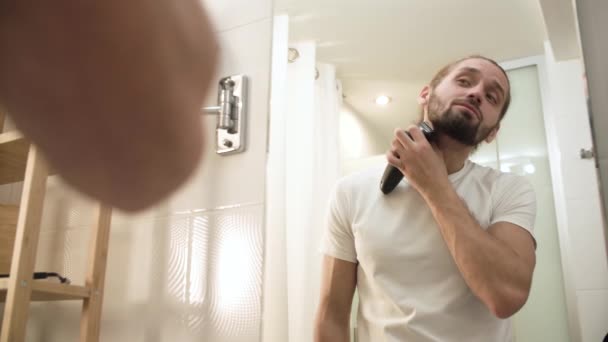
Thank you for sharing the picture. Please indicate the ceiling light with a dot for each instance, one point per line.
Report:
(383, 100)
(529, 168)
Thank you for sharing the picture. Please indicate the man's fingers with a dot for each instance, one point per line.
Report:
(416, 133)
(395, 161)
(403, 138)
(396, 145)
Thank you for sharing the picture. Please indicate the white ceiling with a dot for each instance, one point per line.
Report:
(394, 47)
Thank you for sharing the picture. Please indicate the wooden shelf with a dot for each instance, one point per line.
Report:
(13, 157)
(16, 155)
(14, 148)
(8, 228)
(44, 290)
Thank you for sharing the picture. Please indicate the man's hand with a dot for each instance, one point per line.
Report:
(110, 91)
(421, 163)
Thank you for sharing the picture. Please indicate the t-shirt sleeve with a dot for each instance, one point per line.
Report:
(338, 239)
(514, 201)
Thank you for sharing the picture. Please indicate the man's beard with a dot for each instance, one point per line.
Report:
(456, 123)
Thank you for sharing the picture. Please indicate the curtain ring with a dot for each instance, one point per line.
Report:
(292, 55)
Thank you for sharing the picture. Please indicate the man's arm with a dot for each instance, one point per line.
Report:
(496, 264)
(338, 282)
(110, 91)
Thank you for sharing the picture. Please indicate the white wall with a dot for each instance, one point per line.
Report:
(593, 25)
(190, 269)
(358, 140)
(583, 242)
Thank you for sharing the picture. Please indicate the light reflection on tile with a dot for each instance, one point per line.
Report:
(196, 277)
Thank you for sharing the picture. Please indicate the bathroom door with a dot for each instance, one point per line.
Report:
(191, 268)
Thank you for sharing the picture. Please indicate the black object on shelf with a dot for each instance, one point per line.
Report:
(44, 275)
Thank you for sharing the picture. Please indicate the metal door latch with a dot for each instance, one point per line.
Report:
(231, 110)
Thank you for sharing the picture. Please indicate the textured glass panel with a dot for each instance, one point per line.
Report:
(188, 277)
(522, 149)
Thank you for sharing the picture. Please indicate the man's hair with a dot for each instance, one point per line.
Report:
(441, 74)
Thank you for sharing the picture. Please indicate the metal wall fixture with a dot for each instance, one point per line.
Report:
(231, 112)
(587, 153)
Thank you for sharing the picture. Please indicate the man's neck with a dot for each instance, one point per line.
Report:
(455, 154)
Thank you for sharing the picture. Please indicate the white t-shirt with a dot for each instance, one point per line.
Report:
(410, 289)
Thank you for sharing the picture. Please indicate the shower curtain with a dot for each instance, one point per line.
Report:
(303, 166)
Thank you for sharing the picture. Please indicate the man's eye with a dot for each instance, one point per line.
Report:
(464, 82)
(492, 99)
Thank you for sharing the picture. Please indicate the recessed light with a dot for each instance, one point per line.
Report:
(529, 168)
(383, 100)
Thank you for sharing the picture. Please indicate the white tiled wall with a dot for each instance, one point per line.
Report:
(586, 241)
(178, 278)
(593, 309)
(580, 176)
(191, 269)
(240, 178)
(587, 248)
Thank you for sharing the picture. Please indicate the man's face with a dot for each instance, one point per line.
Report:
(467, 103)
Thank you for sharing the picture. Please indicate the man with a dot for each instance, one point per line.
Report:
(110, 91)
(449, 254)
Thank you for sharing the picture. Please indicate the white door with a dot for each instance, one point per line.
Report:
(190, 269)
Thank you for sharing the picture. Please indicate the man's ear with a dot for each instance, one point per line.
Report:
(492, 134)
(423, 97)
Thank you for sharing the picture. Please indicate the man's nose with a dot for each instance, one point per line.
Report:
(474, 95)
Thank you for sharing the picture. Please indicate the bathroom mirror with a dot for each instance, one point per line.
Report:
(347, 73)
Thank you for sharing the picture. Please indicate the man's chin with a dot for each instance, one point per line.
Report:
(462, 139)
(466, 115)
